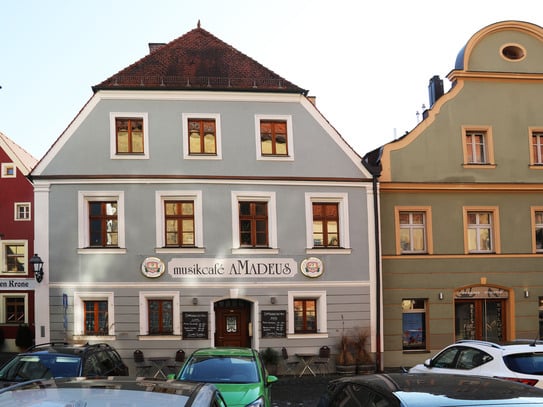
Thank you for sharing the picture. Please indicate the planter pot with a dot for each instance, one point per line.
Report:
(368, 368)
(346, 370)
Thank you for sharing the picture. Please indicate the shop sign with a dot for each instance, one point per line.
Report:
(312, 267)
(152, 267)
(232, 268)
(17, 284)
(481, 292)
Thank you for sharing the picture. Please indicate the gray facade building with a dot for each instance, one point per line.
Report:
(199, 199)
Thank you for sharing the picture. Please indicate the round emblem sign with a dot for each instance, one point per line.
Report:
(152, 267)
(312, 267)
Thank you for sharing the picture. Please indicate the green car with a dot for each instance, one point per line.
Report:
(238, 373)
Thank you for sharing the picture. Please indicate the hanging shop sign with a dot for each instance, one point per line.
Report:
(481, 292)
(152, 267)
(198, 268)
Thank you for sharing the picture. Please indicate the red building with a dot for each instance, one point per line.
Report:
(17, 283)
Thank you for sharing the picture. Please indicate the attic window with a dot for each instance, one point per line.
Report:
(513, 52)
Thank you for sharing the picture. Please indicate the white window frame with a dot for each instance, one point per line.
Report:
(144, 296)
(255, 196)
(196, 197)
(5, 170)
(3, 312)
(3, 260)
(18, 205)
(218, 143)
(290, 138)
(322, 312)
(113, 135)
(342, 199)
(83, 199)
(79, 314)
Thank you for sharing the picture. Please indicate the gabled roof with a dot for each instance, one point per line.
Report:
(20, 157)
(197, 61)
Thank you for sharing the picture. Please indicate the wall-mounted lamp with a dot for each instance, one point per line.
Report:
(440, 295)
(195, 301)
(37, 264)
(526, 293)
(273, 300)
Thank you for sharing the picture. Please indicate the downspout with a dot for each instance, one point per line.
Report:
(374, 166)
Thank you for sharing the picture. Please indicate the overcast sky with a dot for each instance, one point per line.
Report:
(367, 62)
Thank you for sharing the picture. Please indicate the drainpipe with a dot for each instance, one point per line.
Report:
(375, 169)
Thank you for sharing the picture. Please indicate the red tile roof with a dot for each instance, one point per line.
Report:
(198, 61)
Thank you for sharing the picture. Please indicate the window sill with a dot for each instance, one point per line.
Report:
(480, 166)
(410, 351)
(255, 251)
(159, 337)
(199, 250)
(94, 337)
(536, 167)
(308, 336)
(100, 250)
(327, 250)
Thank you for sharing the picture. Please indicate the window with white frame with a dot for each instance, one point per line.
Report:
(478, 146)
(179, 220)
(101, 223)
(8, 170)
(22, 210)
(94, 314)
(413, 229)
(202, 136)
(129, 135)
(536, 147)
(13, 308)
(537, 229)
(274, 138)
(13, 256)
(327, 221)
(254, 220)
(159, 313)
(481, 228)
(307, 311)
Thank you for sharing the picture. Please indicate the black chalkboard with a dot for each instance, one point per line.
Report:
(195, 325)
(274, 324)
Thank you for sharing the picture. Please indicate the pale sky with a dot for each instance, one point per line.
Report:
(368, 63)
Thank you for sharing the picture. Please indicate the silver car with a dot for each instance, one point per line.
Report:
(112, 392)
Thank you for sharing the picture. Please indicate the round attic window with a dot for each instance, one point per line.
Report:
(513, 52)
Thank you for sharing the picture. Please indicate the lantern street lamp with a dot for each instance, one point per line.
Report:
(37, 263)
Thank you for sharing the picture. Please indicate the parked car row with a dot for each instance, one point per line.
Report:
(467, 373)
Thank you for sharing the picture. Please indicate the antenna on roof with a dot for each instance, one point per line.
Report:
(198, 23)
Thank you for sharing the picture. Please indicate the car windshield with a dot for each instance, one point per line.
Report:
(527, 363)
(28, 367)
(220, 369)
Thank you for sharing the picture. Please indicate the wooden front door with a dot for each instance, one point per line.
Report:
(480, 319)
(232, 319)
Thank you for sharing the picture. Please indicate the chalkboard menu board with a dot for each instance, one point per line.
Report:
(195, 325)
(274, 324)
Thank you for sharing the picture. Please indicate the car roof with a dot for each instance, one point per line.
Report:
(64, 348)
(517, 346)
(227, 351)
(446, 389)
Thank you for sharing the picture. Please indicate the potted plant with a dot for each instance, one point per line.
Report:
(353, 357)
(364, 361)
(270, 357)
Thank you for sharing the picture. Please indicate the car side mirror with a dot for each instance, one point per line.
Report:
(428, 363)
(271, 379)
(171, 376)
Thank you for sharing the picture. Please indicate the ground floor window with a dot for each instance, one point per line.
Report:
(160, 317)
(159, 313)
(414, 323)
(307, 312)
(93, 314)
(14, 309)
(305, 316)
(96, 321)
(541, 317)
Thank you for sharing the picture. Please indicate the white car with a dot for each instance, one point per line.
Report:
(520, 361)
